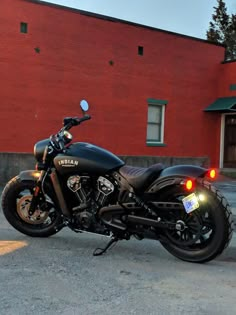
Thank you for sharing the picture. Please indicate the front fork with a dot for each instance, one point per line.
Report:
(37, 194)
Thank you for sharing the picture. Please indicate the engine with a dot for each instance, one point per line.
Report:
(91, 197)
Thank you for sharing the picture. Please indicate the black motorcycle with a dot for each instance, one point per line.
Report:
(87, 188)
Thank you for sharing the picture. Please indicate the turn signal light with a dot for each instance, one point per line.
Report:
(211, 174)
(189, 184)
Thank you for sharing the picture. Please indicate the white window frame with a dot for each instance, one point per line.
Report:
(161, 104)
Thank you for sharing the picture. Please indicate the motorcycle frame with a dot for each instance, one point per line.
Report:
(170, 176)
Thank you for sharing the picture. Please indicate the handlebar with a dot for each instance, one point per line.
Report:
(80, 120)
(86, 117)
(69, 122)
(57, 140)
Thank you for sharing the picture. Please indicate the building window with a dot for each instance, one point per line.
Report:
(140, 50)
(232, 87)
(24, 27)
(155, 122)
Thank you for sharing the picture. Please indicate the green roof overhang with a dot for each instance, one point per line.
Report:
(222, 104)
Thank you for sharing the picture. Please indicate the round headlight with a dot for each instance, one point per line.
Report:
(67, 136)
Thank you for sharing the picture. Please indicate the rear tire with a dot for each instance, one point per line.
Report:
(212, 223)
(15, 203)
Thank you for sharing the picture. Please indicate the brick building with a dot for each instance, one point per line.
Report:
(151, 92)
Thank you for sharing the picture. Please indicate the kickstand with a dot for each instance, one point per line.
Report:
(100, 251)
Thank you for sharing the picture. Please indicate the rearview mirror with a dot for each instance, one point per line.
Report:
(84, 105)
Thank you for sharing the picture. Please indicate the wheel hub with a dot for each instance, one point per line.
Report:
(23, 205)
(187, 231)
(180, 226)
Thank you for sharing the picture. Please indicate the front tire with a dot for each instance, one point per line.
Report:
(208, 231)
(16, 198)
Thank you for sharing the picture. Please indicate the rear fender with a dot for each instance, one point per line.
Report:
(175, 175)
(184, 170)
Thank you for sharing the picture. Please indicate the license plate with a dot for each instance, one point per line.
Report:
(190, 203)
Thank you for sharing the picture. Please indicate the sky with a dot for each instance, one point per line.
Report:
(188, 17)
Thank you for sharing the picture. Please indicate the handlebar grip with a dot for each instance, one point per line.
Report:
(86, 117)
(80, 120)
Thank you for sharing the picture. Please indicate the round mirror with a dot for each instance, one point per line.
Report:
(84, 105)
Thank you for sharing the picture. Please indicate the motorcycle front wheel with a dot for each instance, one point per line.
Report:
(203, 234)
(16, 199)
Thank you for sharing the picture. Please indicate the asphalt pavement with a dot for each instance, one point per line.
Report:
(59, 275)
(228, 189)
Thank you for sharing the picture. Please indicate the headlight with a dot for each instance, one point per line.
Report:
(67, 136)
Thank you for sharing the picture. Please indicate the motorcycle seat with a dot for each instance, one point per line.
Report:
(141, 177)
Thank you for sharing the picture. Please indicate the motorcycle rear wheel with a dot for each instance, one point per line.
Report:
(208, 230)
(16, 198)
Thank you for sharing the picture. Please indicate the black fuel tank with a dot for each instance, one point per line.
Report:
(84, 157)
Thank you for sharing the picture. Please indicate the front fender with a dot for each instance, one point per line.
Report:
(174, 175)
(30, 175)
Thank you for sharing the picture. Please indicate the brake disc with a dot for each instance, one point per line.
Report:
(23, 206)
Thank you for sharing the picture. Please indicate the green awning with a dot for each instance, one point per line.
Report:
(222, 104)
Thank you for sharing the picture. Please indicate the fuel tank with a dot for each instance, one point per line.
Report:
(84, 157)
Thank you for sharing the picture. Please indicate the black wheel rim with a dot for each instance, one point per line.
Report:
(41, 218)
(199, 226)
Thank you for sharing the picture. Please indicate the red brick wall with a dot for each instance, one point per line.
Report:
(226, 79)
(39, 89)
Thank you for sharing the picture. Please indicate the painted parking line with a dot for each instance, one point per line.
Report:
(7, 247)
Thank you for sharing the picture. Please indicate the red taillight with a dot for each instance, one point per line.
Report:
(189, 184)
(212, 174)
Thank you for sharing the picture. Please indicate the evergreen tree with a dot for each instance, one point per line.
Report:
(222, 29)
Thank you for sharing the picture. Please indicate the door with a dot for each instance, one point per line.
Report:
(230, 141)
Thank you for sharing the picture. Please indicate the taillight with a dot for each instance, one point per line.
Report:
(189, 185)
(211, 174)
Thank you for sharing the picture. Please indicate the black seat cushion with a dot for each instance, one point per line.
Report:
(140, 177)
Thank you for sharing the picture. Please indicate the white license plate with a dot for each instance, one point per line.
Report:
(190, 203)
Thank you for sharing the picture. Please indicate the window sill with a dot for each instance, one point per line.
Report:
(155, 144)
